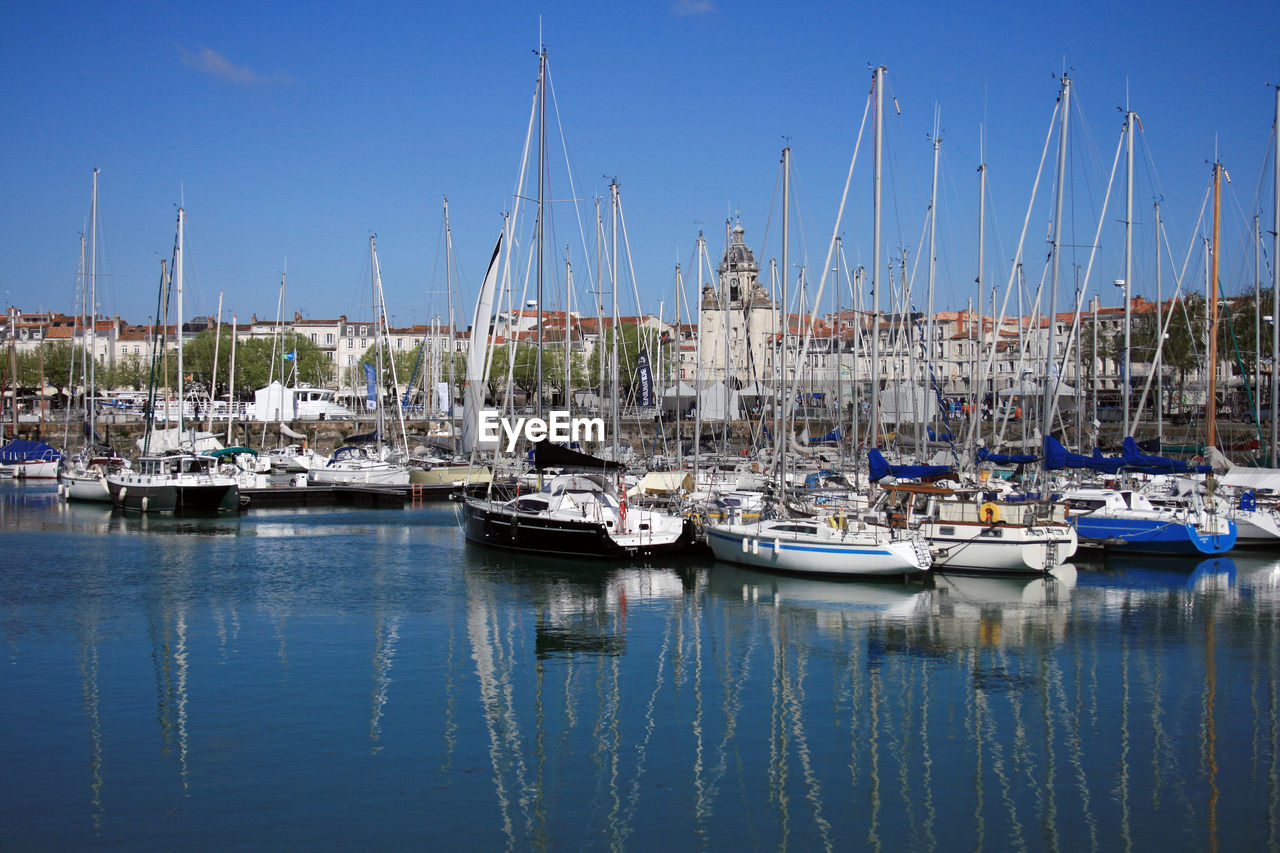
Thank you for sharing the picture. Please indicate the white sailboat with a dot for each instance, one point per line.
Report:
(83, 476)
(178, 481)
(367, 464)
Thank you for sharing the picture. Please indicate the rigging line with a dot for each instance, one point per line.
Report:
(1093, 254)
(643, 333)
(573, 194)
(895, 153)
(835, 231)
(998, 322)
(773, 205)
(795, 206)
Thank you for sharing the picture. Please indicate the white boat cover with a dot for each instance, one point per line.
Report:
(1252, 478)
(164, 440)
(663, 483)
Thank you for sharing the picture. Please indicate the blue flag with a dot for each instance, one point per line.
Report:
(371, 400)
(644, 393)
(290, 356)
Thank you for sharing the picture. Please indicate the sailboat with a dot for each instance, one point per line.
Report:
(836, 545)
(577, 513)
(83, 476)
(581, 511)
(175, 481)
(367, 462)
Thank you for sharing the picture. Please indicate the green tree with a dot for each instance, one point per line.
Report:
(392, 383)
(57, 363)
(258, 361)
(130, 372)
(1184, 349)
(51, 362)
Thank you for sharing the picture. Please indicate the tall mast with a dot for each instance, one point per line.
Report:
(1050, 389)
(177, 277)
(1257, 317)
(1128, 265)
(784, 437)
(976, 409)
(1275, 283)
(679, 378)
(90, 402)
(836, 345)
(231, 382)
(697, 361)
(377, 341)
(448, 288)
(1159, 336)
(13, 365)
(930, 327)
(1212, 403)
(600, 364)
(1093, 384)
(568, 332)
(878, 84)
(613, 265)
(213, 376)
(542, 170)
(726, 319)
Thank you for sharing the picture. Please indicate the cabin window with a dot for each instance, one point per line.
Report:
(993, 532)
(531, 505)
(946, 531)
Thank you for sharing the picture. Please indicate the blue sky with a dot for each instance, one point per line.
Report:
(292, 131)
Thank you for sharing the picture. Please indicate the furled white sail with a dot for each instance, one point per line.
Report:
(477, 375)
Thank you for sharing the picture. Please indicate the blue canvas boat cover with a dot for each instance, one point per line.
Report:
(1056, 456)
(23, 450)
(985, 455)
(880, 468)
(1159, 464)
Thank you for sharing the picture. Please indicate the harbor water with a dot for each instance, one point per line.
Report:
(363, 679)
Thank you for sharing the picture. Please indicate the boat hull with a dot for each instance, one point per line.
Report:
(999, 549)
(749, 545)
(370, 475)
(44, 469)
(178, 499)
(91, 488)
(495, 526)
(1152, 536)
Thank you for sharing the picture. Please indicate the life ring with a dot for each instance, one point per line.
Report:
(989, 512)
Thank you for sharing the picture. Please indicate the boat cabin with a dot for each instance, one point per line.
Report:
(172, 466)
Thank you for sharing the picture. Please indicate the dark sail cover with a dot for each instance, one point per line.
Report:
(1158, 464)
(880, 468)
(548, 455)
(1056, 456)
(985, 455)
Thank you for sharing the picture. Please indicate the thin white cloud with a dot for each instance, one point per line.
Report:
(216, 65)
(691, 8)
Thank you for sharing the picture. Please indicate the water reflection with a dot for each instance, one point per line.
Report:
(347, 657)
